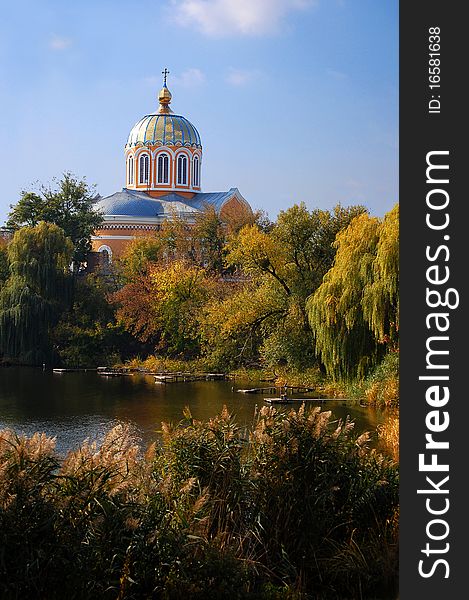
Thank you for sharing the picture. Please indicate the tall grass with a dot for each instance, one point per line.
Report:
(388, 435)
(303, 509)
(381, 388)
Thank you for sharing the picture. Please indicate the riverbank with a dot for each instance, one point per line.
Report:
(380, 389)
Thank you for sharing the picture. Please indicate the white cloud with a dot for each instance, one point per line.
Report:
(59, 43)
(240, 77)
(233, 17)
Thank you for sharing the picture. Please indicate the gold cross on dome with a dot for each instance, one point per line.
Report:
(165, 73)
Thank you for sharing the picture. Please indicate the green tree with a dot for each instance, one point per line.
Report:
(381, 296)
(87, 335)
(139, 255)
(233, 327)
(36, 292)
(163, 306)
(70, 205)
(4, 270)
(354, 313)
(298, 251)
(209, 234)
(288, 262)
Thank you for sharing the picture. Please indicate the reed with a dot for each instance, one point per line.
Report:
(388, 435)
(301, 509)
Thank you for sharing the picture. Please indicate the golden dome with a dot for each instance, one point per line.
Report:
(164, 129)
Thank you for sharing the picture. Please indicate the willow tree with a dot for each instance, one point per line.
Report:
(381, 295)
(4, 271)
(36, 292)
(354, 312)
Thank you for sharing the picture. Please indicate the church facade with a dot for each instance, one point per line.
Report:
(163, 174)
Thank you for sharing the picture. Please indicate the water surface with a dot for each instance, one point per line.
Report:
(75, 406)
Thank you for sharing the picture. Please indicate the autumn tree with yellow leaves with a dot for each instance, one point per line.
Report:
(267, 317)
(163, 306)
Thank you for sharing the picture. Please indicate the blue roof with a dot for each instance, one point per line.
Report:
(139, 204)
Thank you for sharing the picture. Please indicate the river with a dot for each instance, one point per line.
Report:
(79, 405)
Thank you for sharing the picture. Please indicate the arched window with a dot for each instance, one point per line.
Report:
(162, 169)
(196, 172)
(182, 169)
(130, 170)
(144, 169)
(106, 254)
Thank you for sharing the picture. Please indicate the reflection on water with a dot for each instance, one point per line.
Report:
(75, 406)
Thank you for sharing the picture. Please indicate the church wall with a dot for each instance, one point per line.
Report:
(117, 239)
(153, 151)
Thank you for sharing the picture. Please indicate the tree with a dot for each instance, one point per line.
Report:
(70, 205)
(36, 292)
(289, 260)
(87, 334)
(176, 239)
(164, 306)
(298, 251)
(381, 296)
(4, 269)
(354, 313)
(209, 234)
(139, 255)
(233, 327)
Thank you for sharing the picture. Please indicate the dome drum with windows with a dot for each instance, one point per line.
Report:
(163, 159)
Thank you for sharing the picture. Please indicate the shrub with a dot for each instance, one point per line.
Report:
(301, 508)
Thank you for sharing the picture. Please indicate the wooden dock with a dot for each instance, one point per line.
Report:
(293, 389)
(115, 374)
(301, 400)
(61, 371)
(180, 377)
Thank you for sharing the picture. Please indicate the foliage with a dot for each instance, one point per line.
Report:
(203, 244)
(138, 256)
(176, 239)
(70, 206)
(237, 216)
(36, 293)
(388, 434)
(354, 312)
(381, 296)
(314, 290)
(266, 320)
(347, 493)
(232, 329)
(88, 335)
(298, 251)
(163, 306)
(4, 266)
(209, 234)
(305, 510)
(381, 387)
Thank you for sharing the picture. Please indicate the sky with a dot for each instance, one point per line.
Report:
(295, 100)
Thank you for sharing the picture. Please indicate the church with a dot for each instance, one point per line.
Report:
(163, 174)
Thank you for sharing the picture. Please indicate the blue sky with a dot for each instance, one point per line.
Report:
(295, 100)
